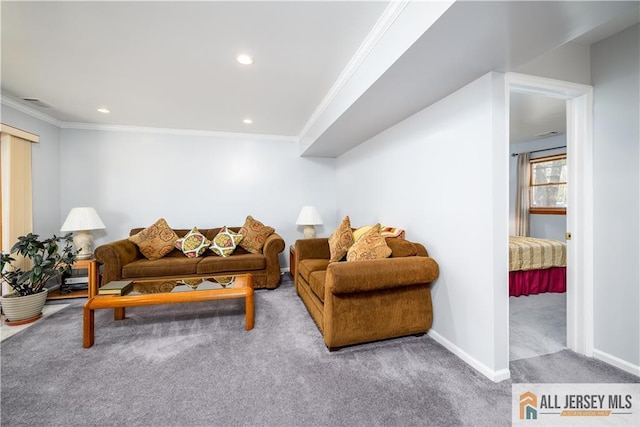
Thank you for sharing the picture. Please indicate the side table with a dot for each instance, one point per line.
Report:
(91, 265)
(292, 261)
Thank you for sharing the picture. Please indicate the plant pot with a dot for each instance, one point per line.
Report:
(22, 309)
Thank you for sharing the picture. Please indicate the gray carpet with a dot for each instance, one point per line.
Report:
(537, 325)
(195, 365)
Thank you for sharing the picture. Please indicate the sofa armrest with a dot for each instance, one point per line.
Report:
(115, 255)
(317, 248)
(421, 249)
(372, 275)
(272, 247)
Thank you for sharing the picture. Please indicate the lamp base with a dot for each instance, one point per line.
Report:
(83, 241)
(309, 232)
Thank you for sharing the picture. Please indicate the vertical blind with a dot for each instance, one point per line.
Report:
(15, 178)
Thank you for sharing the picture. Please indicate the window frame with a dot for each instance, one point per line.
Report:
(545, 210)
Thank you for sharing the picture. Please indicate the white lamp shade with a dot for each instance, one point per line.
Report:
(82, 219)
(309, 216)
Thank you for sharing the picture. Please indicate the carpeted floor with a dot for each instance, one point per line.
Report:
(537, 325)
(195, 365)
(7, 331)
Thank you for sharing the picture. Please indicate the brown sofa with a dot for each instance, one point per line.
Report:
(123, 260)
(355, 302)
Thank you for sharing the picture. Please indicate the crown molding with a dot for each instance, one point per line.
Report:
(10, 102)
(185, 132)
(388, 17)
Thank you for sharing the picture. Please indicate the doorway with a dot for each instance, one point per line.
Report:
(579, 219)
(537, 137)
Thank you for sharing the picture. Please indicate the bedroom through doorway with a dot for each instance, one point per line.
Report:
(538, 158)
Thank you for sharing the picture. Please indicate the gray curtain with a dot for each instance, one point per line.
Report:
(522, 196)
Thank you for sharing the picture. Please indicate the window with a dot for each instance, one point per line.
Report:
(548, 185)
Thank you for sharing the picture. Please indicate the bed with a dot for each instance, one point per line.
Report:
(536, 266)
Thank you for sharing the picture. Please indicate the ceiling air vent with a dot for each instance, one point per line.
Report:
(37, 102)
(546, 134)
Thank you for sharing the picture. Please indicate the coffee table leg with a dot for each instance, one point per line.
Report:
(249, 312)
(88, 324)
(118, 313)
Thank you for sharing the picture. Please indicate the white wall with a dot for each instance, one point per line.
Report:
(615, 76)
(442, 174)
(132, 179)
(570, 62)
(45, 166)
(541, 226)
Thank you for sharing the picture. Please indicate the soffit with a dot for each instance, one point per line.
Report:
(468, 41)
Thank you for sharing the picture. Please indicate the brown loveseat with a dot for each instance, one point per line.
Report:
(355, 302)
(123, 260)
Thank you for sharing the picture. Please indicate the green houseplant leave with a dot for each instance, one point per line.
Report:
(50, 257)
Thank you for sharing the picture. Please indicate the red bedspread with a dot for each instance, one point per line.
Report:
(533, 282)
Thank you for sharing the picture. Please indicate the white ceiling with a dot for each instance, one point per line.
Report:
(172, 64)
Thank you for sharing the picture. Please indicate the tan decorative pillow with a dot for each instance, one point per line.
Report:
(156, 240)
(193, 244)
(370, 246)
(359, 232)
(254, 235)
(225, 242)
(340, 240)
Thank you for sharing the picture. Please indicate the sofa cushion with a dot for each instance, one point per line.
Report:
(370, 246)
(193, 244)
(225, 242)
(316, 283)
(401, 247)
(167, 266)
(340, 240)
(246, 262)
(254, 235)
(155, 241)
(308, 266)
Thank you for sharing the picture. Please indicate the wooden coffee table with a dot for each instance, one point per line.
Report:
(170, 291)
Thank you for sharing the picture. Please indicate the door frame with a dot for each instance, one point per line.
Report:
(580, 277)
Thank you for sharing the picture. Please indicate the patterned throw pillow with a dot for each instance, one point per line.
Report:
(370, 246)
(359, 232)
(193, 244)
(225, 242)
(254, 235)
(340, 240)
(156, 240)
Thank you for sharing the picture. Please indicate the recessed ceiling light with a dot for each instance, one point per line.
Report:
(247, 121)
(103, 110)
(244, 59)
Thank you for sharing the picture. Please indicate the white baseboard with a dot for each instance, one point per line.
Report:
(495, 376)
(617, 362)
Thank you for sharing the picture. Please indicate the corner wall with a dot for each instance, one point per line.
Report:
(442, 174)
(615, 73)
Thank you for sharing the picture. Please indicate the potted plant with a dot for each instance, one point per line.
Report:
(48, 260)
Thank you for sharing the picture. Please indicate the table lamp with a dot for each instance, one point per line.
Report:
(309, 217)
(82, 221)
